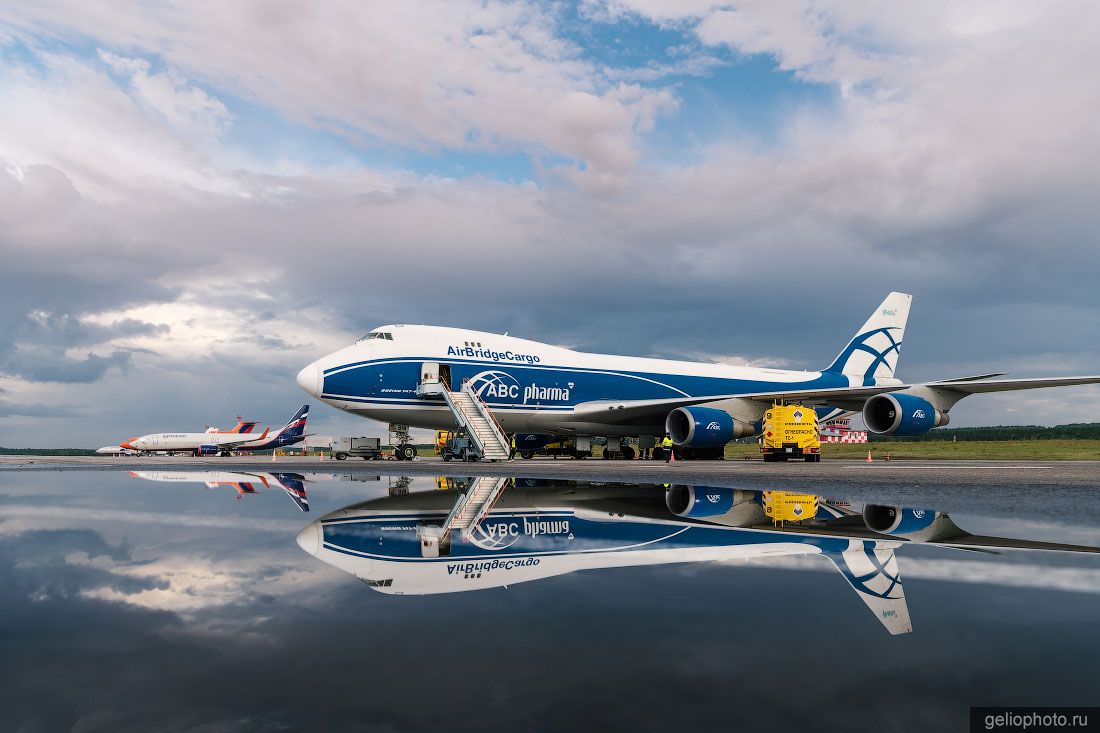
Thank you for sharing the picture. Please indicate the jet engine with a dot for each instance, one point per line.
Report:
(916, 525)
(704, 427)
(714, 504)
(207, 450)
(897, 413)
(699, 502)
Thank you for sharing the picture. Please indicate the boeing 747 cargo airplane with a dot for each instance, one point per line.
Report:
(496, 386)
(497, 532)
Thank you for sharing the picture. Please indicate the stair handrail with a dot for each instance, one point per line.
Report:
(494, 424)
(463, 420)
(460, 505)
(490, 501)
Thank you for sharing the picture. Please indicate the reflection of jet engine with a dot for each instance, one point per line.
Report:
(916, 525)
(714, 504)
(704, 427)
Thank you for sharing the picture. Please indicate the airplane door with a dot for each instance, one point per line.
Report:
(429, 372)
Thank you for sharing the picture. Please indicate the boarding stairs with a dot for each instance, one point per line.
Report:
(474, 417)
(475, 504)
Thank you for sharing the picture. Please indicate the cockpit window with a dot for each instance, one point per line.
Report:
(378, 335)
(379, 583)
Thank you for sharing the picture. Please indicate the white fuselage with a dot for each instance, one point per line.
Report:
(530, 386)
(185, 441)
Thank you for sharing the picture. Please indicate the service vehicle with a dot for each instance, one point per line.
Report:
(441, 438)
(369, 449)
(461, 447)
(787, 506)
(790, 432)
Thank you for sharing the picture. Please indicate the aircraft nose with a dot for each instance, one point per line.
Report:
(309, 539)
(309, 379)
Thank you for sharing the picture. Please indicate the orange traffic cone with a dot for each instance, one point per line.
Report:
(273, 455)
(672, 455)
(869, 459)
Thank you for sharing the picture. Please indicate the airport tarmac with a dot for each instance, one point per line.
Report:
(948, 481)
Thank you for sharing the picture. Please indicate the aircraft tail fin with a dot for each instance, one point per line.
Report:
(871, 569)
(873, 351)
(296, 426)
(294, 484)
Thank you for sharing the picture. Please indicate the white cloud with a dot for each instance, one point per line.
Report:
(480, 76)
(187, 108)
(958, 163)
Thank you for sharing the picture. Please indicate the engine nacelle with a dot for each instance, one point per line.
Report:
(714, 504)
(916, 525)
(699, 502)
(207, 450)
(704, 427)
(897, 413)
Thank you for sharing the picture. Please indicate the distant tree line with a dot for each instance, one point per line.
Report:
(46, 452)
(1072, 431)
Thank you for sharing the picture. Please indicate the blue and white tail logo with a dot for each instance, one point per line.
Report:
(297, 424)
(873, 352)
(871, 569)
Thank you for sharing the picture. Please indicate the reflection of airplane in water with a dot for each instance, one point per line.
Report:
(294, 484)
(502, 531)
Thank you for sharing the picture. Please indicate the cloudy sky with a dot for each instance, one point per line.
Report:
(197, 199)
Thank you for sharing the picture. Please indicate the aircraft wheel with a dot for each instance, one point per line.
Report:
(527, 454)
(408, 452)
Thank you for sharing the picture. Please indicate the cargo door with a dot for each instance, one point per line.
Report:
(429, 372)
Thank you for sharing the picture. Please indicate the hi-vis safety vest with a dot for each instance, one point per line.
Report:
(666, 442)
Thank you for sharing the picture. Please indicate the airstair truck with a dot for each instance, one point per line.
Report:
(790, 432)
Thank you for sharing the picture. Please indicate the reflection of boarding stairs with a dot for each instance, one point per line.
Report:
(475, 504)
(474, 417)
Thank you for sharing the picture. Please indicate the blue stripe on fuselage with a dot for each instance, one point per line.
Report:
(397, 538)
(540, 386)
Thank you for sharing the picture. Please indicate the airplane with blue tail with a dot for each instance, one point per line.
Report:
(531, 529)
(535, 389)
(223, 443)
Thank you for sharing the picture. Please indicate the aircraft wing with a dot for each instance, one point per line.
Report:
(848, 398)
(245, 438)
(624, 411)
(969, 386)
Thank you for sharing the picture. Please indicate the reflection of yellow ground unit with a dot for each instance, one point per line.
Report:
(452, 483)
(790, 431)
(786, 506)
(441, 438)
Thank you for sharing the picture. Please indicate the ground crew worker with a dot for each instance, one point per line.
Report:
(666, 446)
(512, 452)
